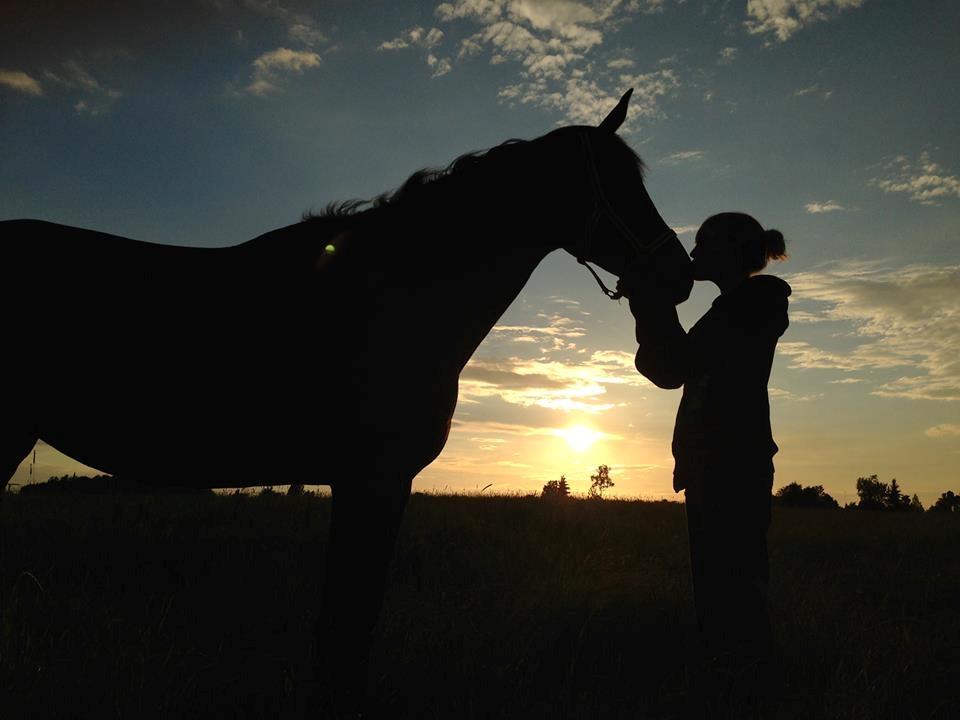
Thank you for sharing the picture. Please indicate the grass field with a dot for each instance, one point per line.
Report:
(203, 606)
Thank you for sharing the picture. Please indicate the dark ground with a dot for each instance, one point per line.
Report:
(203, 606)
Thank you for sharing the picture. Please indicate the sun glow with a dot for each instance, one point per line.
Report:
(579, 438)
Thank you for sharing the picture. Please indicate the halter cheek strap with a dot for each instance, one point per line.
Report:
(603, 209)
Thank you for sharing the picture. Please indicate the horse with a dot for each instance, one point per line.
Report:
(336, 341)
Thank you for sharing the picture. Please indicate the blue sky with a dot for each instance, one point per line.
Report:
(207, 123)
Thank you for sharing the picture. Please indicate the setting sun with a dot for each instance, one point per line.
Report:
(579, 438)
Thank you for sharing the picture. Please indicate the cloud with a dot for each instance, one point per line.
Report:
(414, 37)
(95, 98)
(782, 18)
(583, 101)
(899, 317)
(306, 32)
(556, 333)
(727, 55)
(20, 81)
(271, 67)
(424, 39)
(815, 207)
(553, 384)
(301, 27)
(781, 394)
(925, 182)
(683, 156)
(553, 43)
(813, 90)
(944, 430)
(441, 66)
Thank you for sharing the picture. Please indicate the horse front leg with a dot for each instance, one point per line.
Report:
(364, 525)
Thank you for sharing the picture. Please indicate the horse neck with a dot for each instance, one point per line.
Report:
(455, 296)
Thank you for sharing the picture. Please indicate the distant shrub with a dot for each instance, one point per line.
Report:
(796, 495)
(102, 484)
(556, 489)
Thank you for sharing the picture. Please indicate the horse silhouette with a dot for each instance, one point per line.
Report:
(327, 351)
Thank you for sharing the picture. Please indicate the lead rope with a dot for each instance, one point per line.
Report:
(613, 295)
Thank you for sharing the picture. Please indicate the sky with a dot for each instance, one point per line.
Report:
(835, 121)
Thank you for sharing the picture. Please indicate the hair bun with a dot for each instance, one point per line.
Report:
(775, 247)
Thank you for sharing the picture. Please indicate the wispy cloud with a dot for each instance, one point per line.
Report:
(925, 182)
(272, 68)
(906, 317)
(554, 42)
(782, 18)
(556, 332)
(944, 430)
(813, 90)
(270, 71)
(681, 157)
(20, 81)
(94, 97)
(816, 207)
(781, 394)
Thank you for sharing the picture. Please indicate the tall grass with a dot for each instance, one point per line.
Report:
(201, 606)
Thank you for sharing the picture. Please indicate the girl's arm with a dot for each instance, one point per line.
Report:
(664, 353)
(667, 355)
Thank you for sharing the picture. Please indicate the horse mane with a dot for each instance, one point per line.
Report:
(464, 167)
(418, 182)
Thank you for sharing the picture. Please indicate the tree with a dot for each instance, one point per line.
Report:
(915, 504)
(896, 499)
(796, 495)
(557, 489)
(947, 502)
(873, 493)
(600, 482)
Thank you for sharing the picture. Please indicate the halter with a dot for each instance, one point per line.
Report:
(603, 209)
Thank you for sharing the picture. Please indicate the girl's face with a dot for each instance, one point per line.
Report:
(715, 257)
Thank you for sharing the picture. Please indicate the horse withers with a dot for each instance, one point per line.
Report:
(337, 341)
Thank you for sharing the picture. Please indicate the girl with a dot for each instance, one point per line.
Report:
(722, 443)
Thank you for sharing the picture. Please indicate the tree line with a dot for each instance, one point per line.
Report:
(872, 494)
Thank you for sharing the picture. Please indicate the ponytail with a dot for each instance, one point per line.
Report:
(774, 246)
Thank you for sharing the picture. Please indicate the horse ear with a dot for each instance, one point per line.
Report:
(616, 117)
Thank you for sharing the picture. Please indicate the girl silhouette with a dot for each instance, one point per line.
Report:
(722, 442)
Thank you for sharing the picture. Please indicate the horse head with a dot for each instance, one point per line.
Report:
(622, 232)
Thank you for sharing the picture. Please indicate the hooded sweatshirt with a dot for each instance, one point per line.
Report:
(723, 363)
(723, 422)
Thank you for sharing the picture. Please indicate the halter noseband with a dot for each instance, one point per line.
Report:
(602, 208)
